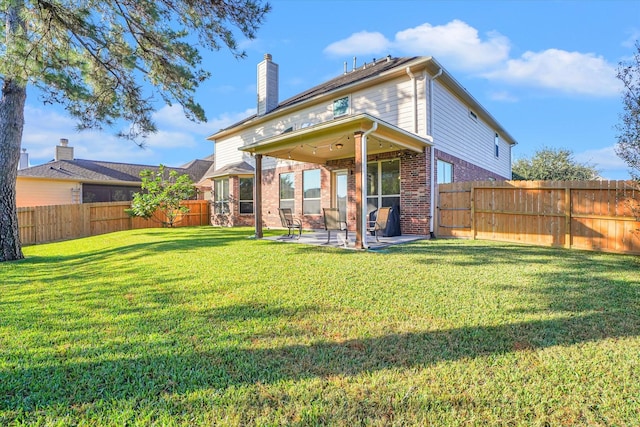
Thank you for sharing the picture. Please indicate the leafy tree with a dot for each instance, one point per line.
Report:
(628, 147)
(552, 164)
(96, 58)
(161, 195)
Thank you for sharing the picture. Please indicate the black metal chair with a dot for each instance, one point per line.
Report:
(290, 223)
(332, 222)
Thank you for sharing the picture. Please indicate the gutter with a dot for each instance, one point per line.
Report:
(415, 99)
(432, 207)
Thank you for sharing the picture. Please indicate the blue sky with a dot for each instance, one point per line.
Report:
(544, 69)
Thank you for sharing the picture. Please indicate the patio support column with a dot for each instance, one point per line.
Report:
(257, 185)
(359, 177)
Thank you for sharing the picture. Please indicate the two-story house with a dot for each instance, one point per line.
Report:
(382, 134)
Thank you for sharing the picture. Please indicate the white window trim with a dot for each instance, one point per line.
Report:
(347, 111)
(306, 199)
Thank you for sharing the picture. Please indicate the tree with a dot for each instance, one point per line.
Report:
(628, 146)
(161, 194)
(97, 58)
(552, 164)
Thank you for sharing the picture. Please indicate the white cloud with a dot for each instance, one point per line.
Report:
(456, 43)
(362, 43)
(502, 96)
(459, 46)
(603, 158)
(177, 141)
(569, 72)
(172, 117)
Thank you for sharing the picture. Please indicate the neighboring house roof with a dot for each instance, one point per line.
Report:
(367, 74)
(106, 172)
(239, 168)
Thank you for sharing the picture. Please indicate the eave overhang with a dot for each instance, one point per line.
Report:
(334, 140)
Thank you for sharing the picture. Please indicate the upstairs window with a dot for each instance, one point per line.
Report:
(341, 107)
(496, 143)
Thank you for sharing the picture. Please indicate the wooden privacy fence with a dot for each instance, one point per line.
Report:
(43, 224)
(592, 215)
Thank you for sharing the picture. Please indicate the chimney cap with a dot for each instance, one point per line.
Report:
(64, 142)
(267, 57)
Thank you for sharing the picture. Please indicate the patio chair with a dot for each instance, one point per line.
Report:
(380, 223)
(332, 222)
(290, 223)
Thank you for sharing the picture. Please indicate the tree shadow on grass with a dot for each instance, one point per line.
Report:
(159, 371)
(78, 260)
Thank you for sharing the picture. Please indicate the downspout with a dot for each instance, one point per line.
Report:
(365, 218)
(415, 100)
(433, 155)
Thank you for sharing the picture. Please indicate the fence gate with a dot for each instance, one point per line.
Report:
(453, 210)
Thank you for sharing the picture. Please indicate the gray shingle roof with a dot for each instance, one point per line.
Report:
(99, 171)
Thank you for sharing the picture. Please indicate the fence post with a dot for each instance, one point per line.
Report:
(567, 217)
(473, 210)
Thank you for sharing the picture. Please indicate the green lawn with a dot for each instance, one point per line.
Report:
(206, 326)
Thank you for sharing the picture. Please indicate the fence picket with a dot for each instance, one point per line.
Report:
(43, 224)
(592, 215)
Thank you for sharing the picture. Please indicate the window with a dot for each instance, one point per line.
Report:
(341, 107)
(246, 195)
(287, 191)
(383, 184)
(221, 196)
(445, 172)
(311, 192)
(496, 142)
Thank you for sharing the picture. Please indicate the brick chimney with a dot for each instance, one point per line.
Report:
(267, 85)
(63, 151)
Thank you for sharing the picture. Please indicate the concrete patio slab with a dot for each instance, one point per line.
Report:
(319, 238)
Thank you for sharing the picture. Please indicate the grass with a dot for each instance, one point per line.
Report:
(203, 326)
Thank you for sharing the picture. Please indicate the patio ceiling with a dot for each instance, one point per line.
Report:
(334, 140)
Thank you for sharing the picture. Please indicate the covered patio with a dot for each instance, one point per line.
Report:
(352, 137)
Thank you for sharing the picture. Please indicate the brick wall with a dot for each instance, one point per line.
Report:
(415, 201)
(271, 195)
(234, 217)
(414, 184)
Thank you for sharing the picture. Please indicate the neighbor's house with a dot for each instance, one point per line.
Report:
(67, 180)
(382, 134)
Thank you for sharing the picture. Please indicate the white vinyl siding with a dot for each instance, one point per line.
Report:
(391, 101)
(454, 132)
(458, 134)
(226, 152)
